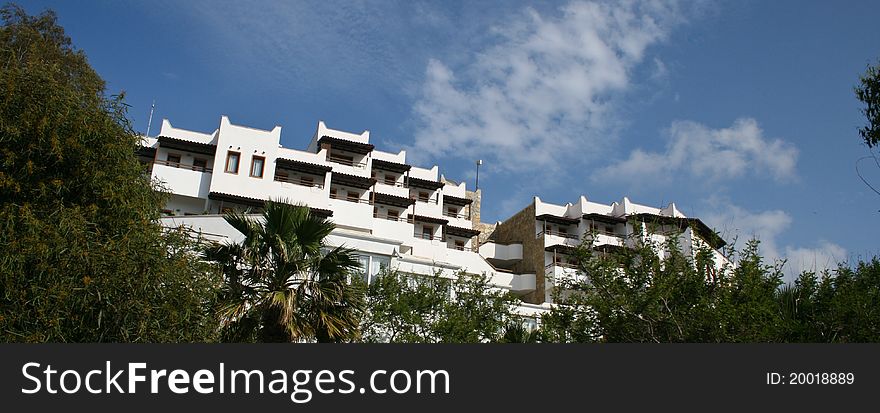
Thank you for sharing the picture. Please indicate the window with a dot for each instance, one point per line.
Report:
(333, 193)
(173, 158)
(232, 162)
(390, 179)
(199, 163)
(428, 232)
(609, 230)
(307, 180)
(459, 245)
(257, 166)
(451, 211)
(352, 196)
(281, 176)
(424, 196)
(364, 267)
(393, 214)
(375, 212)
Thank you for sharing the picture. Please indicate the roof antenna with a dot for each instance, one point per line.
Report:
(150, 121)
(477, 184)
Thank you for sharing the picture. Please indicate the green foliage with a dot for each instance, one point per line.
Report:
(635, 296)
(415, 309)
(842, 307)
(868, 92)
(83, 256)
(282, 283)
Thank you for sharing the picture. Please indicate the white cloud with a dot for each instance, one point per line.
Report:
(706, 153)
(735, 222)
(542, 94)
(825, 255)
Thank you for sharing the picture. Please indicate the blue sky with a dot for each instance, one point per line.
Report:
(741, 112)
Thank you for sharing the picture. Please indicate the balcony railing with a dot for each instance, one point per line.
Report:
(460, 247)
(454, 215)
(603, 232)
(353, 200)
(391, 218)
(397, 184)
(182, 166)
(299, 181)
(429, 237)
(346, 161)
(561, 264)
(558, 234)
(425, 200)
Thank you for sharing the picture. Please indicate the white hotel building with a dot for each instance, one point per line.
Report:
(393, 213)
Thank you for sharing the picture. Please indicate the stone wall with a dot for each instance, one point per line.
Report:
(520, 228)
(474, 210)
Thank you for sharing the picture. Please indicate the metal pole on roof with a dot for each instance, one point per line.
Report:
(477, 184)
(150, 121)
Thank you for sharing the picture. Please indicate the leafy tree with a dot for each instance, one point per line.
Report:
(868, 92)
(83, 257)
(283, 283)
(517, 333)
(637, 295)
(464, 309)
(843, 307)
(403, 309)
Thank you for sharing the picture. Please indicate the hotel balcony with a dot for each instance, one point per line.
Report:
(391, 227)
(397, 189)
(310, 192)
(517, 283)
(563, 272)
(357, 213)
(183, 179)
(605, 238)
(559, 238)
(501, 253)
(349, 166)
(460, 219)
(347, 156)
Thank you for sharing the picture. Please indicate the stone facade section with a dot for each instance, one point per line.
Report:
(520, 228)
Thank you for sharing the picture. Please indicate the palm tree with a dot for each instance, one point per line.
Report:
(282, 283)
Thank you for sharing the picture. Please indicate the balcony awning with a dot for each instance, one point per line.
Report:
(454, 200)
(237, 199)
(460, 232)
(703, 230)
(558, 220)
(608, 248)
(346, 145)
(145, 151)
(322, 213)
(260, 203)
(430, 220)
(562, 249)
(187, 146)
(398, 201)
(606, 219)
(352, 180)
(300, 166)
(424, 183)
(390, 166)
